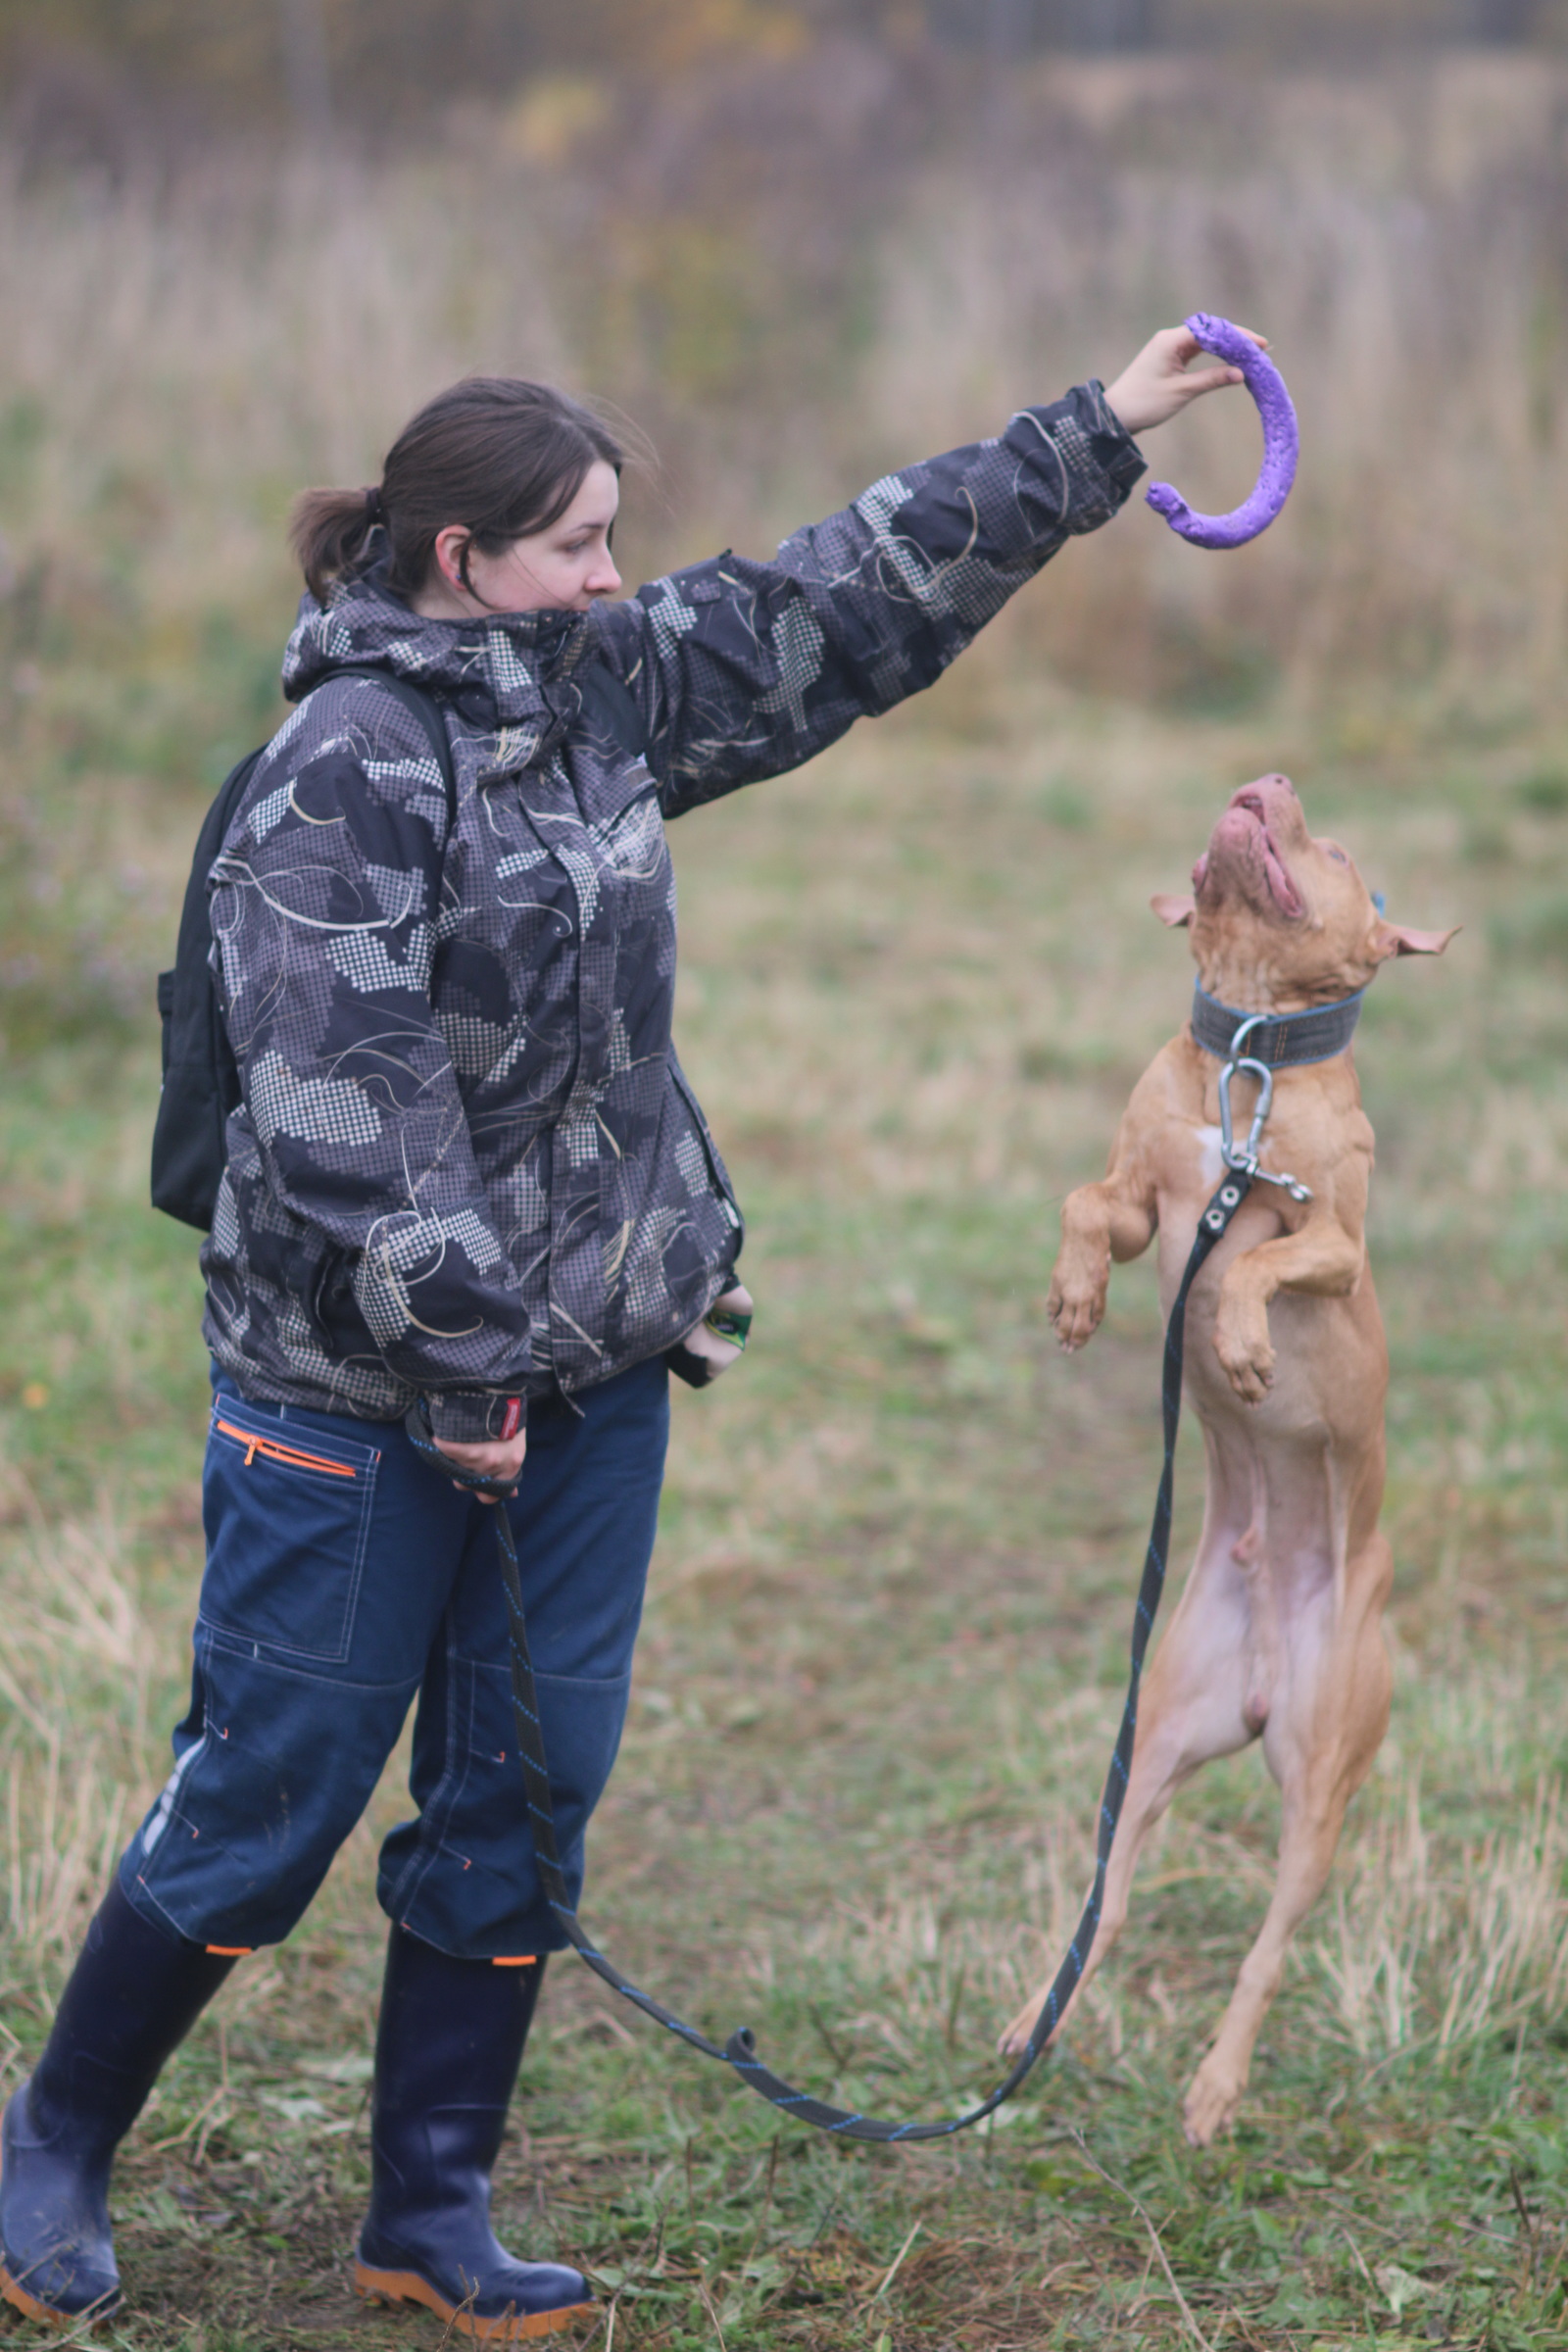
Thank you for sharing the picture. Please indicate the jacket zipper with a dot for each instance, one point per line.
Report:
(290, 1456)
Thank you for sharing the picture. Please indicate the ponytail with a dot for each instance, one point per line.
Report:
(496, 455)
(329, 532)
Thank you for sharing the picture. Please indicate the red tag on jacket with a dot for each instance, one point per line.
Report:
(512, 1419)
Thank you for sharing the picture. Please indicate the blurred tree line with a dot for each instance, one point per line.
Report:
(384, 65)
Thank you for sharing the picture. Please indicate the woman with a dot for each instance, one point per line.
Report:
(467, 1171)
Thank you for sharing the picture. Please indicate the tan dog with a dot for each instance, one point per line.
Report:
(1278, 1634)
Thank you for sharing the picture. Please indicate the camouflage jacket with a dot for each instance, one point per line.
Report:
(467, 1165)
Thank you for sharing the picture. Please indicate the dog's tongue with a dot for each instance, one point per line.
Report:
(1285, 893)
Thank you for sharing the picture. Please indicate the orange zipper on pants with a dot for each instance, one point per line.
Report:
(291, 1455)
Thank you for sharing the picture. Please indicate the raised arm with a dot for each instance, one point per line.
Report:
(324, 906)
(745, 670)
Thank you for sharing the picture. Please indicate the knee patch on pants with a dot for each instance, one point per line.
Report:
(274, 1767)
(462, 1875)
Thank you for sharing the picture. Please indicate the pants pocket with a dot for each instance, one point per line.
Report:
(287, 1513)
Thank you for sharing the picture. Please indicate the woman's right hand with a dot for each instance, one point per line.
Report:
(497, 1460)
(1156, 387)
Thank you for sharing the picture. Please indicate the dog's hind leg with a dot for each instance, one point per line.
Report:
(1330, 1713)
(1192, 1708)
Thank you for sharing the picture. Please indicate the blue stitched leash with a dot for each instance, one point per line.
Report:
(740, 2051)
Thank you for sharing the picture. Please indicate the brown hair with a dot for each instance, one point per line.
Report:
(495, 454)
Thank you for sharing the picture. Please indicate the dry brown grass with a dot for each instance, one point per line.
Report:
(803, 276)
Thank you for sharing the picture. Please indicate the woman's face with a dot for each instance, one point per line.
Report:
(560, 569)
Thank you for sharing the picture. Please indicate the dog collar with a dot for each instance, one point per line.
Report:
(1282, 1040)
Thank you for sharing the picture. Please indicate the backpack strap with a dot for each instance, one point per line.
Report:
(427, 710)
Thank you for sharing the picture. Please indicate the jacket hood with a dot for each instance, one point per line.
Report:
(496, 672)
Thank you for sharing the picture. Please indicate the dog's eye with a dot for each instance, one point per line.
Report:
(1338, 856)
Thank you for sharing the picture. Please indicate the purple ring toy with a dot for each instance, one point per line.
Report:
(1281, 444)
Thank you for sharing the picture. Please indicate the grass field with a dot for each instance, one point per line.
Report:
(884, 1647)
(884, 1650)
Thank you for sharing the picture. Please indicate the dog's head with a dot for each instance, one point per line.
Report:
(1280, 918)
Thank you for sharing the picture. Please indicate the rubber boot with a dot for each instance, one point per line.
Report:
(447, 2054)
(133, 1996)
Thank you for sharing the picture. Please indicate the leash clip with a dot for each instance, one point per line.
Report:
(1244, 1156)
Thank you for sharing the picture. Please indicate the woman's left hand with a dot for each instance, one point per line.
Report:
(1156, 387)
(499, 1459)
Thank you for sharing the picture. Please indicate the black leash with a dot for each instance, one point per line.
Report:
(740, 2051)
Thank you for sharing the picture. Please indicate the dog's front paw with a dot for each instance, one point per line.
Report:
(1241, 1344)
(1211, 2101)
(1077, 1301)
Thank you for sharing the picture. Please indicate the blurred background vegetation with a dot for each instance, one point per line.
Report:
(795, 245)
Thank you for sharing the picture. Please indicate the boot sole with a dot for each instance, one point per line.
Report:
(407, 2287)
(45, 2313)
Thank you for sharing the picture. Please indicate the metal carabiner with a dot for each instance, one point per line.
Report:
(1244, 1158)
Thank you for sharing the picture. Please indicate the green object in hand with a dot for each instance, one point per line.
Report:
(729, 1325)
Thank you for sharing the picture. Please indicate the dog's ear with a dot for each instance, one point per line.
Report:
(1173, 911)
(1398, 939)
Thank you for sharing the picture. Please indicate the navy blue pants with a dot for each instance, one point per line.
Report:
(345, 1577)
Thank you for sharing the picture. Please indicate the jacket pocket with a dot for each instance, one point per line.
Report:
(335, 1310)
(287, 1513)
(718, 1173)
